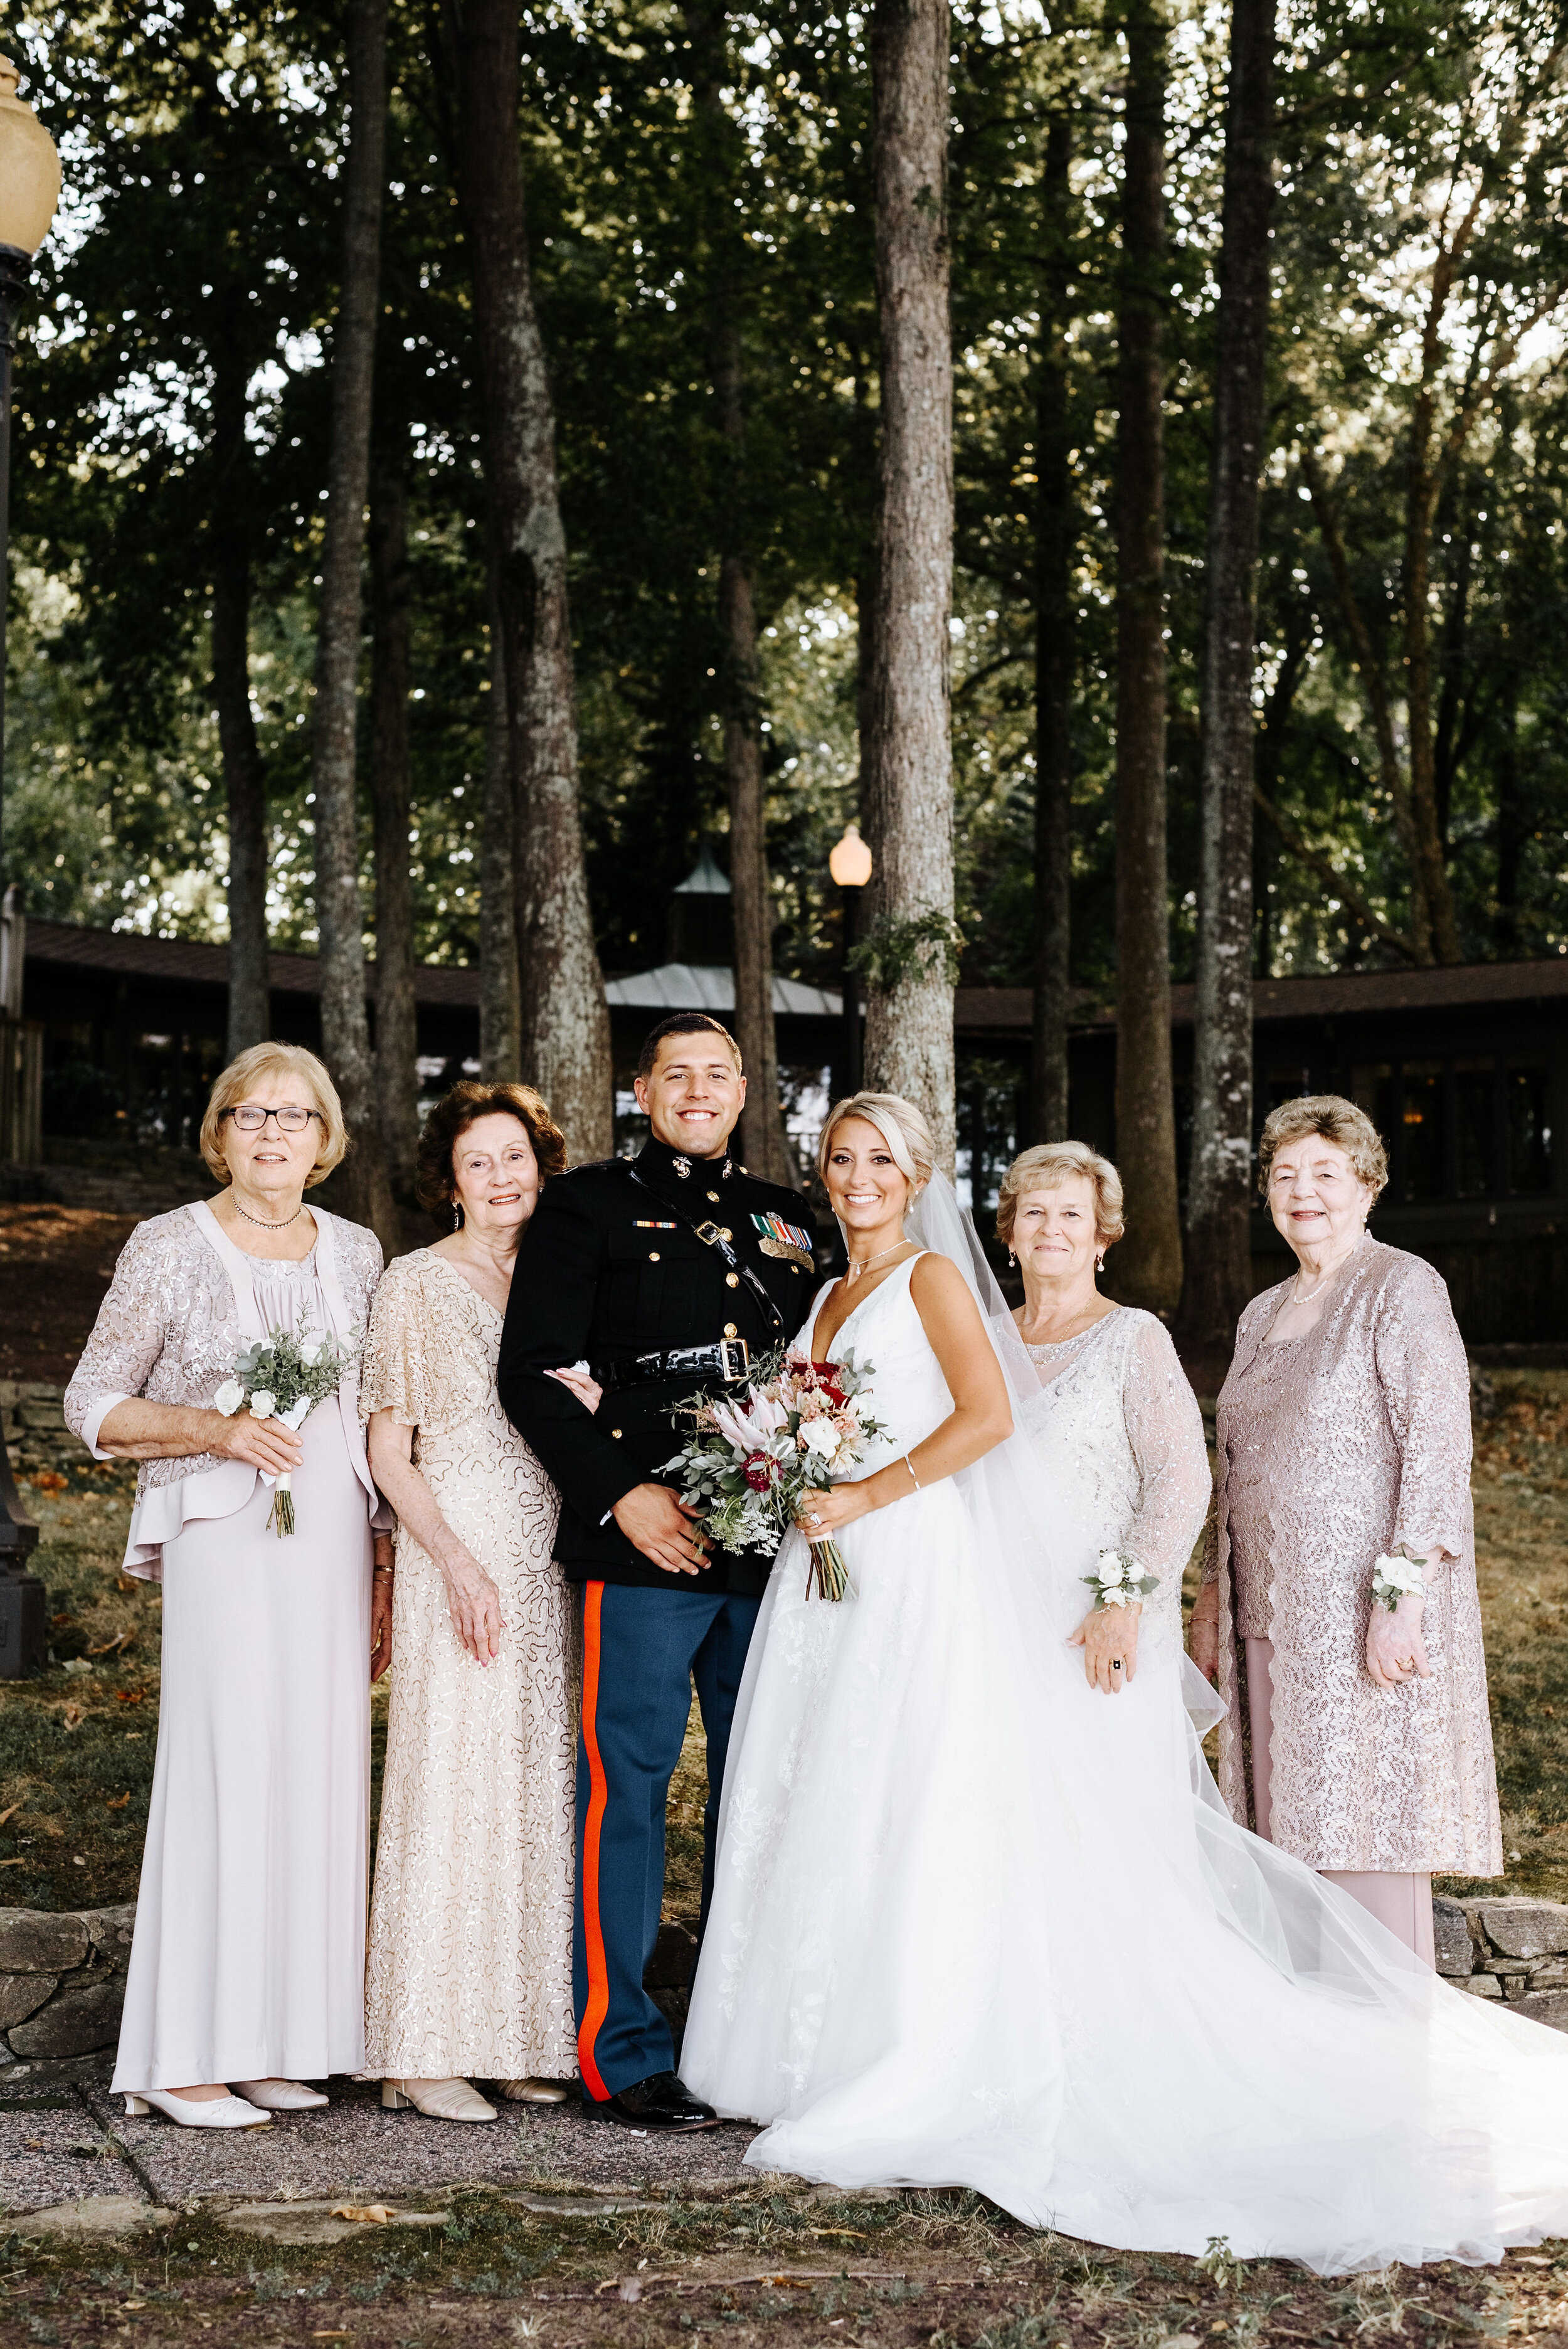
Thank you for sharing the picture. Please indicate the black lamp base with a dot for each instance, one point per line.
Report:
(23, 1644)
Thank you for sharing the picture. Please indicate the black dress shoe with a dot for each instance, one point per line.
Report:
(661, 2103)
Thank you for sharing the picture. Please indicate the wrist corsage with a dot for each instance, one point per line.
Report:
(1119, 1582)
(1394, 1578)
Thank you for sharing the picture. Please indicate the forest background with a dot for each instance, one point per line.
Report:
(701, 234)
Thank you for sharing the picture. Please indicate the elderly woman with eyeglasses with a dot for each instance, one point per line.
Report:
(247, 1969)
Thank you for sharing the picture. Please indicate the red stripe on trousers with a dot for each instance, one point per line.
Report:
(598, 2004)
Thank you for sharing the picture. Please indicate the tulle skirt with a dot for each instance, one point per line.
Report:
(974, 1925)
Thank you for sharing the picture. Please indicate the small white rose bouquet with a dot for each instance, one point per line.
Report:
(1117, 1582)
(1394, 1578)
(283, 1376)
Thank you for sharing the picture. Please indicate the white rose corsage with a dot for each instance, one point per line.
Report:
(1394, 1578)
(1119, 1581)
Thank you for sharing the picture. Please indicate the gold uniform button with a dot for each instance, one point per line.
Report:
(732, 1280)
(714, 1196)
(730, 1330)
(652, 1256)
(616, 1434)
(727, 1235)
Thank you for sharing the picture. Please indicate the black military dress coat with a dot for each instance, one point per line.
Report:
(609, 1269)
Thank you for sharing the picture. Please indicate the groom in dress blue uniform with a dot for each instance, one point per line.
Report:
(663, 1273)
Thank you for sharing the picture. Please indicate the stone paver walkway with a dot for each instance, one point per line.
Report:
(64, 2142)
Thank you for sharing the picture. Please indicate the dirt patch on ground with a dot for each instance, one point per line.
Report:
(54, 1264)
(773, 2263)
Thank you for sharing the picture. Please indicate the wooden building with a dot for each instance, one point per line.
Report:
(1464, 1071)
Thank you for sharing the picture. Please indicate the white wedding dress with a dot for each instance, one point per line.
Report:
(974, 1925)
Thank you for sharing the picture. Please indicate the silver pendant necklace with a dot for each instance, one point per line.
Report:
(855, 1270)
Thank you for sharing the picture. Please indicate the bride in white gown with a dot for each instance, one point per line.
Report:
(974, 1924)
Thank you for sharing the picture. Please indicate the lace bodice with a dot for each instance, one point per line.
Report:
(1118, 1439)
(168, 1329)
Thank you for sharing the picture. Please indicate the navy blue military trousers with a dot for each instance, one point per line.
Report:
(641, 1651)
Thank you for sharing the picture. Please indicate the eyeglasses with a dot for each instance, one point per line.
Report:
(250, 1119)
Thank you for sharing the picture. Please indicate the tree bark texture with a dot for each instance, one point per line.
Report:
(1219, 1197)
(397, 1025)
(363, 1187)
(764, 1142)
(1146, 1266)
(501, 1003)
(907, 776)
(1056, 536)
(565, 1020)
(244, 773)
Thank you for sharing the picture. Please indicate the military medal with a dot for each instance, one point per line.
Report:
(786, 1241)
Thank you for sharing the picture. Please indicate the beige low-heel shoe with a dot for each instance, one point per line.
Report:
(533, 2091)
(438, 2100)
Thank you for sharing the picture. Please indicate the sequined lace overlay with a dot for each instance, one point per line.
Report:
(469, 1968)
(1334, 1447)
(1117, 1424)
(168, 1330)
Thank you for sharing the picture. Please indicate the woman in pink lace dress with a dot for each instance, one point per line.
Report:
(1344, 1437)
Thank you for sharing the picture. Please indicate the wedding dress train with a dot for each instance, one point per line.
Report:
(974, 1925)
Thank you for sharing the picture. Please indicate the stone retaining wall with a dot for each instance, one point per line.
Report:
(1507, 1947)
(62, 1980)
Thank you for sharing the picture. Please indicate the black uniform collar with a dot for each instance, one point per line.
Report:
(673, 1172)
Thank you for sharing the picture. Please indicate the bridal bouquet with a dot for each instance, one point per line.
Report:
(752, 1457)
(283, 1377)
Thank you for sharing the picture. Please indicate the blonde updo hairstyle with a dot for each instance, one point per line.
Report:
(1337, 1121)
(1047, 1168)
(901, 1126)
(265, 1064)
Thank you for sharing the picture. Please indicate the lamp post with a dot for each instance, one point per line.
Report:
(851, 866)
(29, 190)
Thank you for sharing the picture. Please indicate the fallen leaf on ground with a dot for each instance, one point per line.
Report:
(119, 1802)
(12, 1863)
(131, 1696)
(109, 1646)
(368, 2214)
(47, 1480)
(12, 1812)
(71, 1715)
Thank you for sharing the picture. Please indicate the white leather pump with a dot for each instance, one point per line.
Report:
(280, 2095)
(210, 2112)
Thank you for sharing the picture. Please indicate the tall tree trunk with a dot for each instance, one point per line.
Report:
(565, 1020)
(1148, 1262)
(364, 1189)
(763, 1140)
(244, 775)
(500, 999)
(1219, 1199)
(1420, 499)
(907, 779)
(1513, 825)
(1055, 538)
(396, 1026)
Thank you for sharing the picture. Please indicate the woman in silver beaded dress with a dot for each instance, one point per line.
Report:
(1115, 1427)
(247, 1968)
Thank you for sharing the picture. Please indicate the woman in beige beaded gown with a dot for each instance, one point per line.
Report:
(470, 1972)
(1344, 1437)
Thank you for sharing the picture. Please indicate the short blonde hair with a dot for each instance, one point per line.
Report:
(901, 1126)
(1047, 1168)
(259, 1066)
(1337, 1121)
